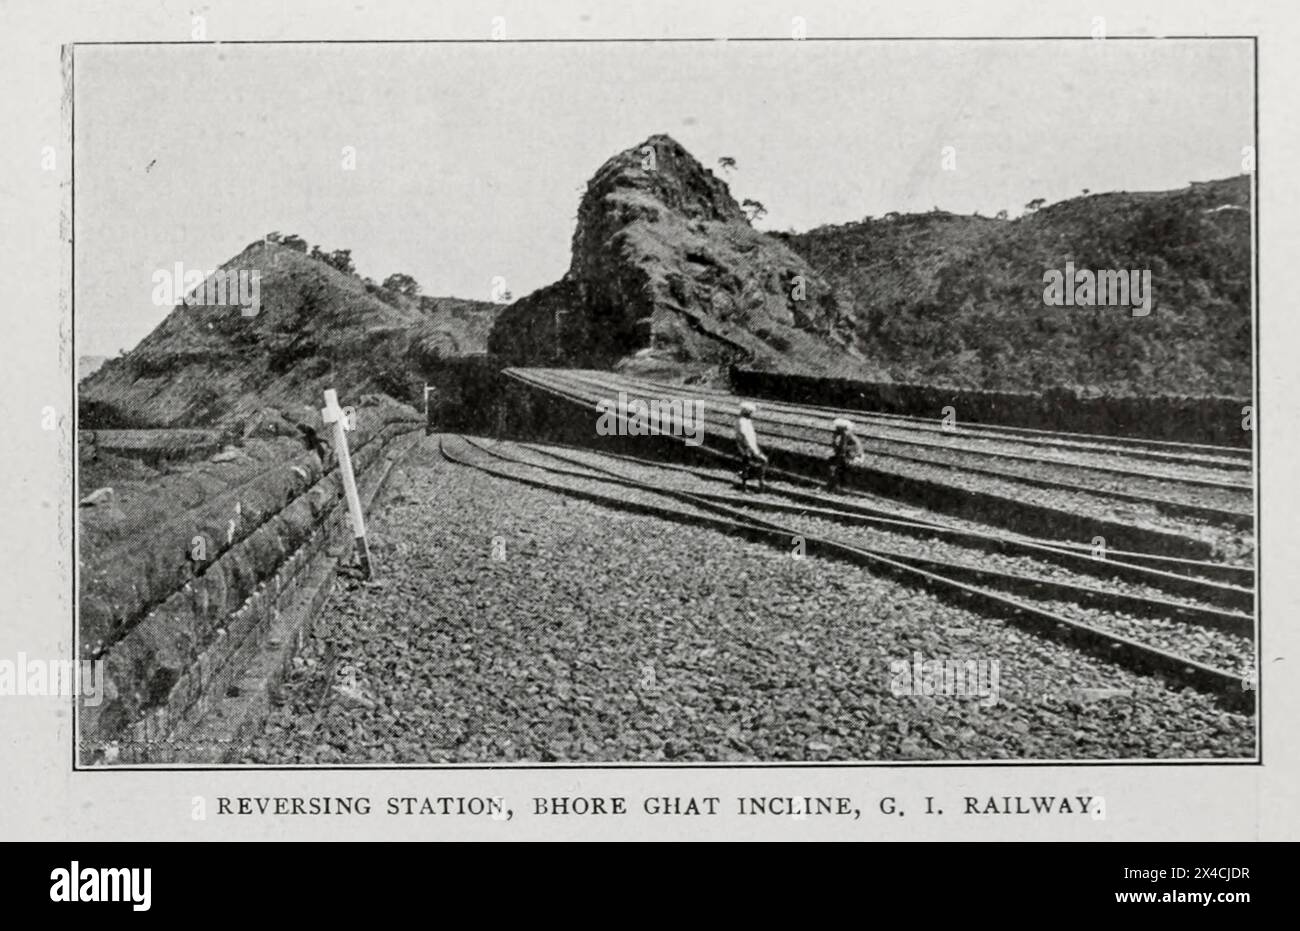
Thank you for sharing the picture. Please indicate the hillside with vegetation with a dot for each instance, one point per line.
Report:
(953, 300)
(319, 325)
(668, 276)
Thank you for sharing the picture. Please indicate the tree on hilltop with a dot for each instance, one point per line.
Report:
(342, 260)
(339, 258)
(402, 284)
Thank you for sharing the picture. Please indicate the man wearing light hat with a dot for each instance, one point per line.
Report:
(752, 461)
(845, 449)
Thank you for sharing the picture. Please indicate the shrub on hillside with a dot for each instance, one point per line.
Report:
(402, 284)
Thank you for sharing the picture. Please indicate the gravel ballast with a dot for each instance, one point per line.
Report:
(1221, 649)
(516, 624)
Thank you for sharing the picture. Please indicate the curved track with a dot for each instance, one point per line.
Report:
(1191, 578)
(1230, 585)
(977, 587)
(1191, 492)
(1223, 457)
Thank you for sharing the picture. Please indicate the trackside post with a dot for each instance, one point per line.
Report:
(331, 413)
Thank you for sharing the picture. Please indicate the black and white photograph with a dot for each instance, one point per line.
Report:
(669, 403)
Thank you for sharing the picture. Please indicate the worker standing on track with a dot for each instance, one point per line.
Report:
(752, 461)
(846, 448)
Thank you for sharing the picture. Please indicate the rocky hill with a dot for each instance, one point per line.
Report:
(316, 327)
(668, 274)
(668, 278)
(958, 300)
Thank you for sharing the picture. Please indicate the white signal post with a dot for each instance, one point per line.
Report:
(331, 413)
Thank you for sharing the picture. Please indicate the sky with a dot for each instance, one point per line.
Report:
(470, 159)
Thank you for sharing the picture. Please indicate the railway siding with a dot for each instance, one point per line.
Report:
(1060, 513)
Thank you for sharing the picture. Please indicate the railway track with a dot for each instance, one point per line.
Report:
(1209, 466)
(1074, 514)
(977, 587)
(1228, 463)
(1062, 513)
(1231, 585)
(1196, 580)
(1229, 458)
(1230, 503)
(1196, 472)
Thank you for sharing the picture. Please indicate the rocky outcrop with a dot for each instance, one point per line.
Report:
(667, 271)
